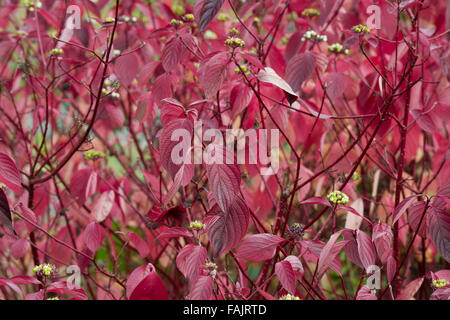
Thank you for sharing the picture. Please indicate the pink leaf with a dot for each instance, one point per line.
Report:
(171, 109)
(172, 54)
(402, 207)
(190, 259)
(410, 290)
(140, 245)
(317, 200)
(351, 249)
(424, 120)
(415, 216)
(329, 253)
(5, 214)
(63, 287)
(300, 68)
(93, 236)
(83, 184)
(365, 294)
(240, 97)
(19, 248)
(366, 249)
(213, 72)
(296, 266)
(285, 273)
(224, 179)
(174, 232)
(382, 237)
(391, 268)
(202, 288)
(226, 229)
(439, 230)
(259, 247)
(28, 215)
(126, 68)
(9, 174)
(103, 206)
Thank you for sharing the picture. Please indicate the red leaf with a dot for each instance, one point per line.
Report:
(172, 54)
(317, 200)
(140, 245)
(224, 179)
(171, 109)
(103, 206)
(316, 247)
(24, 280)
(268, 75)
(285, 273)
(93, 236)
(226, 229)
(162, 88)
(9, 174)
(213, 73)
(410, 290)
(174, 233)
(402, 207)
(424, 120)
(126, 68)
(202, 288)
(336, 84)
(240, 97)
(182, 177)
(145, 284)
(259, 247)
(169, 149)
(28, 215)
(62, 287)
(19, 248)
(365, 294)
(190, 259)
(439, 229)
(366, 249)
(382, 237)
(83, 184)
(415, 215)
(391, 268)
(300, 68)
(207, 10)
(351, 249)
(329, 253)
(5, 214)
(296, 266)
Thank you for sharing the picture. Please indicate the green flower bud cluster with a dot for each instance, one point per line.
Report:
(233, 32)
(178, 10)
(127, 19)
(56, 51)
(311, 35)
(310, 12)
(93, 154)
(197, 225)
(440, 283)
(223, 17)
(360, 29)
(45, 270)
(110, 91)
(189, 17)
(176, 23)
(109, 20)
(289, 297)
(3, 186)
(234, 42)
(337, 48)
(337, 197)
(30, 5)
(53, 298)
(243, 68)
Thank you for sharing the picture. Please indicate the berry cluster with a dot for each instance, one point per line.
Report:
(189, 17)
(176, 23)
(311, 35)
(337, 197)
(243, 68)
(127, 19)
(295, 232)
